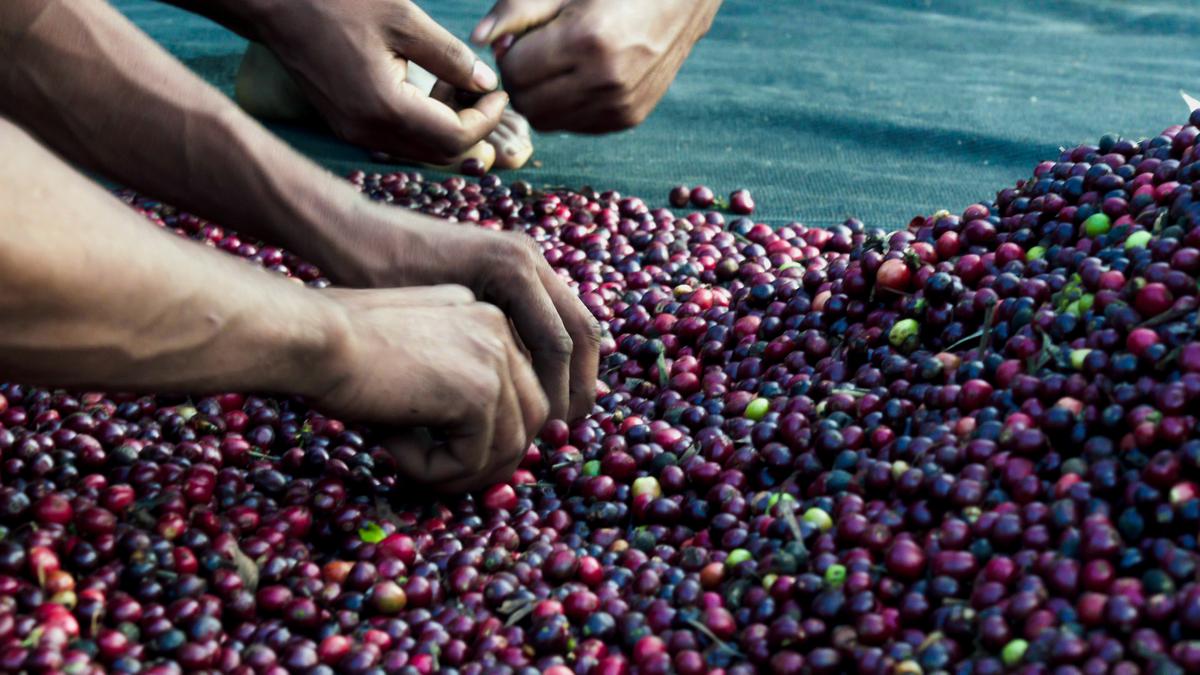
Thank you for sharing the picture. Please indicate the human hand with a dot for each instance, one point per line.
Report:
(388, 247)
(434, 358)
(351, 59)
(592, 66)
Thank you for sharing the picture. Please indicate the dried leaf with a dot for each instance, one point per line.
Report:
(510, 606)
(789, 518)
(246, 568)
(721, 644)
(1192, 103)
(985, 339)
(519, 615)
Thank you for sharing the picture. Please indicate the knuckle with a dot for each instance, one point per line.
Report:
(459, 294)
(529, 247)
(628, 114)
(592, 331)
(561, 345)
(541, 413)
(456, 55)
(590, 38)
(486, 393)
(609, 76)
(492, 317)
(520, 252)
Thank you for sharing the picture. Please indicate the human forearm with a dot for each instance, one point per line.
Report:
(143, 119)
(91, 295)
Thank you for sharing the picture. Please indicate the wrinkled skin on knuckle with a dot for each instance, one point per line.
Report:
(541, 413)
(514, 259)
(483, 383)
(589, 36)
(609, 77)
(459, 294)
(593, 332)
(561, 345)
(491, 319)
(458, 55)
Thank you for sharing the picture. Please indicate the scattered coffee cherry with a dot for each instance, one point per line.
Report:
(966, 445)
(741, 203)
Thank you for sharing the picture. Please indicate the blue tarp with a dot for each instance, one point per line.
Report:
(832, 108)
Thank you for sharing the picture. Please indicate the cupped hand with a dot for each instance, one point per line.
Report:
(395, 248)
(592, 66)
(434, 359)
(351, 59)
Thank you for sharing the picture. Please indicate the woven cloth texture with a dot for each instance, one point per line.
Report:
(826, 109)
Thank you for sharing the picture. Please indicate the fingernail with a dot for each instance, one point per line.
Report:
(510, 150)
(483, 30)
(484, 77)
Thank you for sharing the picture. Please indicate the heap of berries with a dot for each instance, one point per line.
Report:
(967, 446)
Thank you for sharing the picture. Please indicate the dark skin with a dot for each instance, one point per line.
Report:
(141, 118)
(351, 57)
(592, 66)
(588, 66)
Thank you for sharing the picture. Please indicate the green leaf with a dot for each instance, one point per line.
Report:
(371, 533)
(664, 374)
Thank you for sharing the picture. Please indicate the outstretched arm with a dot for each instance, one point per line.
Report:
(93, 295)
(101, 93)
(351, 59)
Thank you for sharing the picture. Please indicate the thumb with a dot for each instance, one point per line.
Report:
(429, 45)
(514, 17)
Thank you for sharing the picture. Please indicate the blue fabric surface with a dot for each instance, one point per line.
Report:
(831, 108)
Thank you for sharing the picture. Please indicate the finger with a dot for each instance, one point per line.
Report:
(419, 296)
(434, 132)
(483, 151)
(471, 442)
(539, 56)
(523, 297)
(425, 42)
(510, 437)
(514, 17)
(443, 91)
(534, 406)
(584, 330)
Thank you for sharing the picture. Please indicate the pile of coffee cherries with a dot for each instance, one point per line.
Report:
(966, 446)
